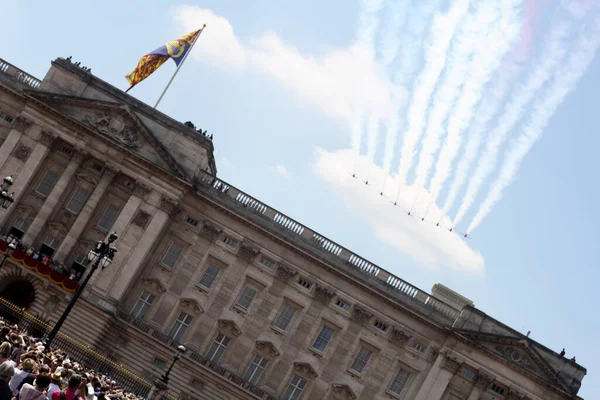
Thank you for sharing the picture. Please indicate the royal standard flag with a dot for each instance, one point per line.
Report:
(176, 50)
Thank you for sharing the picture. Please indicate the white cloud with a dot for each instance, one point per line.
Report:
(432, 246)
(283, 171)
(336, 82)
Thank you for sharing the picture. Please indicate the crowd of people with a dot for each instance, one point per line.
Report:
(71, 273)
(30, 371)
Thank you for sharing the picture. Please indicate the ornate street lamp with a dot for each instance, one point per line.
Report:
(101, 255)
(162, 385)
(6, 197)
(9, 250)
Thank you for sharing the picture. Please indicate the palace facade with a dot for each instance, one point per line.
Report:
(267, 307)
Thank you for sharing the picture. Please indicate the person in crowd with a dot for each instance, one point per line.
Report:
(25, 374)
(6, 373)
(37, 390)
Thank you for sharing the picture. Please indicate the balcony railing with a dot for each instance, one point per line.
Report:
(44, 270)
(325, 246)
(19, 75)
(197, 357)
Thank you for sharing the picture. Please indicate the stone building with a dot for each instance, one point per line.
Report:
(268, 308)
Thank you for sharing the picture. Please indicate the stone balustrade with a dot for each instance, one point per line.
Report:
(327, 248)
(21, 76)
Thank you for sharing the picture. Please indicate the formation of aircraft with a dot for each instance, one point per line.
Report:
(410, 213)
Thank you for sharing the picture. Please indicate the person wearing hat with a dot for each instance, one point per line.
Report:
(23, 375)
(72, 390)
(55, 379)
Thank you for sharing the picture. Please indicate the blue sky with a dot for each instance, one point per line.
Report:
(287, 88)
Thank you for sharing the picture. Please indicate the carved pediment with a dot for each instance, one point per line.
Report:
(343, 391)
(57, 229)
(210, 231)
(191, 306)
(25, 212)
(361, 315)
(248, 252)
(324, 294)
(305, 369)
(516, 351)
(115, 122)
(285, 272)
(399, 337)
(153, 285)
(229, 328)
(268, 347)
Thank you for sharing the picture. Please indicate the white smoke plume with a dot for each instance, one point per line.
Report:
(408, 56)
(565, 80)
(492, 48)
(468, 39)
(552, 54)
(442, 31)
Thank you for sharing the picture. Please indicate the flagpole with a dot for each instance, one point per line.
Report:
(179, 66)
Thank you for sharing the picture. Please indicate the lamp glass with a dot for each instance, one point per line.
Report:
(93, 256)
(105, 262)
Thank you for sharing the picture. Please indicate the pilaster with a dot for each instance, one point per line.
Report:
(137, 255)
(49, 205)
(438, 378)
(22, 178)
(84, 215)
(482, 382)
(8, 145)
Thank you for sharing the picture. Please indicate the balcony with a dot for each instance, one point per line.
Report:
(42, 269)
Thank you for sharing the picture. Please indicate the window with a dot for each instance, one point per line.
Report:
(218, 348)
(341, 304)
(361, 360)
(382, 326)
(230, 242)
(46, 184)
(142, 305)
(67, 150)
(246, 298)
(323, 339)
(197, 384)
(467, 373)
(21, 225)
(77, 200)
(209, 277)
(399, 382)
(266, 262)
(180, 326)
(108, 218)
(304, 283)
(497, 388)
(191, 221)
(160, 363)
(285, 317)
(418, 347)
(51, 242)
(256, 369)
(295, 389)
(172, 255)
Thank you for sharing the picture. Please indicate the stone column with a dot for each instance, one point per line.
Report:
(438, 378)
(84, 215)
(38, 155)
(48, 207)
(482, 382)
(8, 145)
(137, 255)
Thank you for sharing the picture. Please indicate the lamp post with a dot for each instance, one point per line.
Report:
(101, 254)
(6, 197)
(9, 250)
(162, 385)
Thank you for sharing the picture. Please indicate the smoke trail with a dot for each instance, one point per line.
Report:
(553, 53)
(467, 41)
(565, 80)
(442, 32)
(489, 54)
(412, 44)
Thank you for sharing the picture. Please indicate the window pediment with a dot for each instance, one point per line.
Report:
(154, 286)
(343, 391)
(191, 306)
(305, 369)
(267, 347)
(229, 327)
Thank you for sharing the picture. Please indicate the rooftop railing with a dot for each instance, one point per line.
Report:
(320, 242)
(21, 76)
